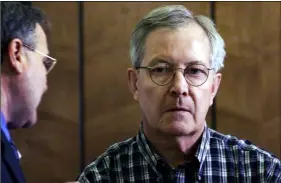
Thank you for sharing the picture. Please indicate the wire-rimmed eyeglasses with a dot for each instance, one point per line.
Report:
(49, 62)
(163, 73)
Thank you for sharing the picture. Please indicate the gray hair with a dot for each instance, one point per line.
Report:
(174, 17)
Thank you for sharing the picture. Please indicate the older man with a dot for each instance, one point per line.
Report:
(176, 58)
(24, 67)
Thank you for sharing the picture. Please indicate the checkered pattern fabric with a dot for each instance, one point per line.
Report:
(219, 159)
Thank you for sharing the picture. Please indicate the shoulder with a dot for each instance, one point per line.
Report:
(235, 144)
(10, 167)
(246, 153)
(98, 170)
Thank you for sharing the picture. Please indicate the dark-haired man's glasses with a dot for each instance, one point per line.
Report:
(49, 62)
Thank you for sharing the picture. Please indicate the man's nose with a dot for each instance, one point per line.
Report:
(179, 84)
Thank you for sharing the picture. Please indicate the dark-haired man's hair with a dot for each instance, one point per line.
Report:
(19, 21)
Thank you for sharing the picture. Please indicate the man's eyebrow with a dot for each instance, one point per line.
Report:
(167, 60)
(157, 60)
(194, 62)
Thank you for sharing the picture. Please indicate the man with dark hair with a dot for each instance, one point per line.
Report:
(24, 66)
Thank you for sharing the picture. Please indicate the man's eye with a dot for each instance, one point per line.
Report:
(195, 71)
(45, 60)
(160, 69)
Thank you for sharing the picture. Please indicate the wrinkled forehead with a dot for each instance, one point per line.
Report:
(41, 39)
(183, 44)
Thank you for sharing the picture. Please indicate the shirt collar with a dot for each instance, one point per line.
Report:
(7, 134)
(145, 147)
(4, 127)
(152, 157)
(204, 147)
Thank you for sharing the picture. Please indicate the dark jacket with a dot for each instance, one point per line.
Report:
(11, 171)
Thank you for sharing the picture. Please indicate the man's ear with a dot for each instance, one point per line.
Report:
(215, 86)
(16, 59)
(132, 81)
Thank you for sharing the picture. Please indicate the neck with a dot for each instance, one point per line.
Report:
(175, 150)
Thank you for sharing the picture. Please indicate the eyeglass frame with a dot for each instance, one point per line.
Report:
(54, 61)
(174, 70)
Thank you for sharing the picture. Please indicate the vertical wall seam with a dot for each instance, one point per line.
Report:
(81, 84)
(214, 106)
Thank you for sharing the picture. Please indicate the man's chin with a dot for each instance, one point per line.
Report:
(26, 124)
(179, 128)
(29, 123)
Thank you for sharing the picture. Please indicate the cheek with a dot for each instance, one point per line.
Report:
(148, 95)
(151, 97)
(39, 64)
(39, 77)
(201, 98)
(42, 67)
(40, 70)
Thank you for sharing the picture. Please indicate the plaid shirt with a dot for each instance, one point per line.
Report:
(219, 159)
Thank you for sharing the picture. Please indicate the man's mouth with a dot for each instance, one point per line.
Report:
(178, 109)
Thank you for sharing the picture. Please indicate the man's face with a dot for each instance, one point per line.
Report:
(30, 84)
(177, 108)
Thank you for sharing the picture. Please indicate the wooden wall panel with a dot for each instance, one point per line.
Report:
(249, 96)
(270, 65)
(112, 114)
(248, 100)
(50, 148)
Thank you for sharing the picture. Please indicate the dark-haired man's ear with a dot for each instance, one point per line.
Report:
(16, 57)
